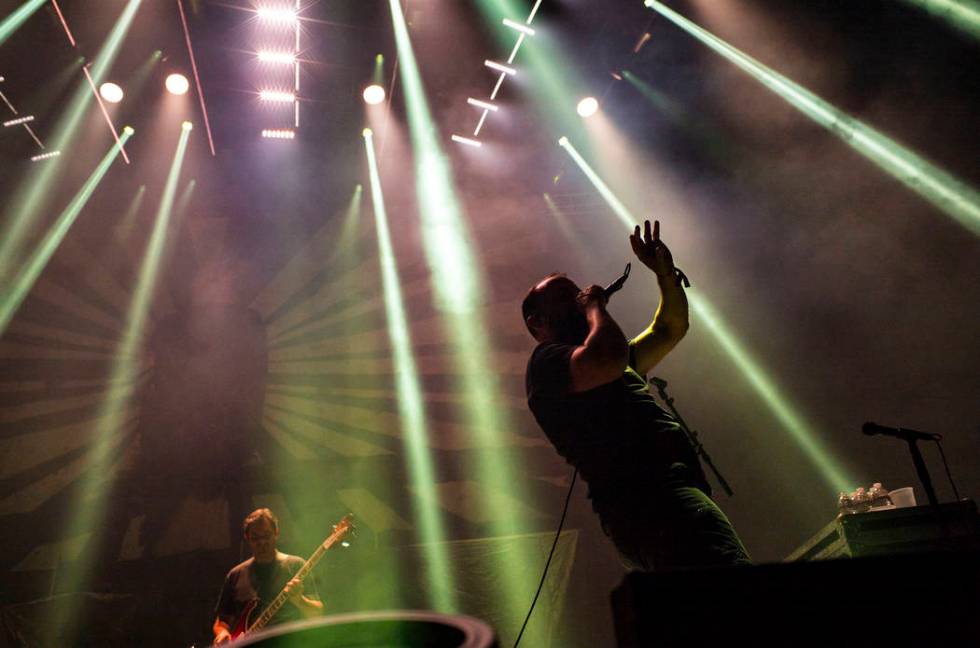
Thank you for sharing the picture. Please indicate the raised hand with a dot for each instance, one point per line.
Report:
(651, 251)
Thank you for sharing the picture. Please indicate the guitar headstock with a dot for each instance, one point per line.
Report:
(344, 527)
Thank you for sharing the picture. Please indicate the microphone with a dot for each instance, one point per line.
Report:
(616, 285)
(871, 429)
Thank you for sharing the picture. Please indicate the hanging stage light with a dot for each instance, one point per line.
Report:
(588, 107)
(278, 133)
(374, 94)
(274, 95)
(482, 104)
(267, 56)
(177, 84)
(111, 92)
(272, 14)
(493, 65)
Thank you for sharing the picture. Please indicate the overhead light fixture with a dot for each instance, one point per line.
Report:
(177, 84)
(279, 133)
(374, 94)
(493, 65)
(482, 104)
(45, 156)
(276, 15)
(111, 92)
(588, 107)
(524, 29)
(19, 120)
(467, 141)
(275, 95)
(277, 57)
(187, 126)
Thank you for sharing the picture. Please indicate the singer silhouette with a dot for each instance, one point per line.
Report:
(586, 389)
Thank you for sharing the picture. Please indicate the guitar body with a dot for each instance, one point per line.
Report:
(244, 620)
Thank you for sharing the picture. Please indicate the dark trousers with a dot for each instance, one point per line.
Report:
(676, 526)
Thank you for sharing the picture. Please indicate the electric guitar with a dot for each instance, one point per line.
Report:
(247, 625)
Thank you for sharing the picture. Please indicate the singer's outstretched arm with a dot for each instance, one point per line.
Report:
(670, 323)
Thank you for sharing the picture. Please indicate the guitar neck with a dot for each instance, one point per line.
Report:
(301, 574)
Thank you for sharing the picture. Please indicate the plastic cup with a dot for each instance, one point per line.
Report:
(902, 497)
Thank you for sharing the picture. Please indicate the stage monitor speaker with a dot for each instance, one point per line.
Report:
(392, 629)
(908, 600)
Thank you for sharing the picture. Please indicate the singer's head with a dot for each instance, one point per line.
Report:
(551, 312)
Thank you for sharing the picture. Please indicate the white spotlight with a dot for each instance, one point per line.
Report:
(19, 120)
(277, 57)
(482, 104)
(467, 141)
(111, 92)
(45, 156)
(187, 125)
(493, 65)
(588, 107)
(276, 15)
(374, 94)
(177, 84)
(524, 29)
(274, 95)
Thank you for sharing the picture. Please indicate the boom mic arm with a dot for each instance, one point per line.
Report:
(871, 429)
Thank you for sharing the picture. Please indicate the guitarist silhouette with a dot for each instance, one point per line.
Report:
(253, 585)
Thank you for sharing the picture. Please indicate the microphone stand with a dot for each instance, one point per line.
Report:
(692, 435)
(923, 473)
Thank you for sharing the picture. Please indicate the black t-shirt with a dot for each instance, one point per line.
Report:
(251, 580)
(616, 434)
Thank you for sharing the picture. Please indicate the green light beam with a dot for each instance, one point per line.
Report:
(36, 187)
(458, 288)
(14, 295)
(347, 237)
(90, 499)
(961, 14)
(947, 193)
(19, 16)
(411, 406)
(614, 203)
(379, 69)
(806, 437)
(126, 223)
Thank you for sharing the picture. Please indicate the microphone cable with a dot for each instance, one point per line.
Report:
(551, 554)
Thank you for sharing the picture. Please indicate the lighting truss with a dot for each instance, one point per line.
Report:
(22, 121)
(64, 23)
(523, 31)
(278, 133)
(276, 17)
(197, 78)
